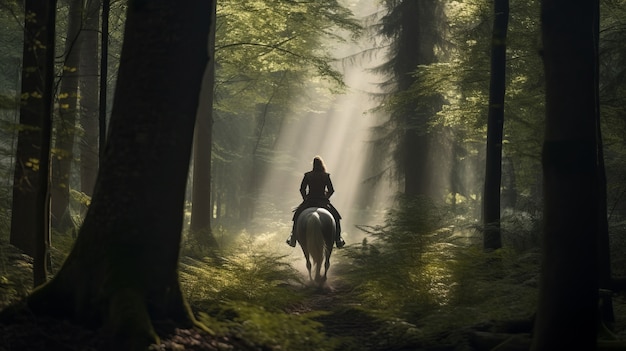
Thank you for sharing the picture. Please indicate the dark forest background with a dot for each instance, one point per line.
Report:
(148, 179)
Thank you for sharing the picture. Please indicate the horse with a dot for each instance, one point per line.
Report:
(315, 231)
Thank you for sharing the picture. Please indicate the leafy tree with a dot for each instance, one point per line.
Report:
(268, 55)
(462, 80)
(568, 300)
(122, 272)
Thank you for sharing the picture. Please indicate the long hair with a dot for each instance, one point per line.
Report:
(318, 164)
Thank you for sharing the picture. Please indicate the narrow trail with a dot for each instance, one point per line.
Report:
(344, 318)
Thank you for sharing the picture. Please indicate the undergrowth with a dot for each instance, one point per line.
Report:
(245, 291)
(274, 329)
(425, 271)
(418, 275)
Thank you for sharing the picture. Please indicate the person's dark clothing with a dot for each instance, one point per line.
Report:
(317, 182)
(320, 189)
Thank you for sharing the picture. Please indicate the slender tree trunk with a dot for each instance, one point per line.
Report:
(604, 249)
(509, 185)
(30, 212)
(66, 123)
(495, 123)
(568, 301)
(104, 69)
(604, 246)
(201, 210)
(122, 271)
(89, 98)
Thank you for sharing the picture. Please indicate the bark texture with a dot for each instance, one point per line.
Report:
(568, 301)
(30, 209)
(122, 272)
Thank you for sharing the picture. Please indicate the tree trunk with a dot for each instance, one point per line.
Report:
(30, 211)
(201, 210)
(604, 245)
(89, 98)
(122, 272)
(66, 123)
(417, 43)
(104, 72)
(495, 123)
(568, 299)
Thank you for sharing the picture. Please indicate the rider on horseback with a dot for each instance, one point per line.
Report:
(320, 191)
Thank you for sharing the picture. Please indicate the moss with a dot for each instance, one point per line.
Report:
(128, 322)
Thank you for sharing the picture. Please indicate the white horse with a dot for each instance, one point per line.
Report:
(315, 231)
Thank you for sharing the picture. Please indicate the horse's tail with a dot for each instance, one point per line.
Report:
(315, 238)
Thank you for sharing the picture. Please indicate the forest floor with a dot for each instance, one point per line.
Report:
(37, 333)
(341, 319)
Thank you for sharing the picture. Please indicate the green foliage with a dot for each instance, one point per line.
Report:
(451, 94)
(431, 277)
(279, 330)
(244, 293)
(274, 62)
(390, 270)
(462, 79)
(266, 51)
(241, 275)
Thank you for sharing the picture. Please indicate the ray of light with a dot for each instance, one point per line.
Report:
(341, 135)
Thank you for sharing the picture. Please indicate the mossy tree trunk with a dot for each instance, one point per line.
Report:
(122, 272)
(567, 312)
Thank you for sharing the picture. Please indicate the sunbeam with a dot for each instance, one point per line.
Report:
(341, 135)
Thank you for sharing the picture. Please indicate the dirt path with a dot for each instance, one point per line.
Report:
(344, 320)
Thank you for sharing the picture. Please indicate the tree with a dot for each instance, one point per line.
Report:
(568, 300)
(412, 27)
(495, 125)
(122, 272)
(104, 69)
(30, 214)
(202, 210)
(66, 122)
(268, 54)
(89, 103)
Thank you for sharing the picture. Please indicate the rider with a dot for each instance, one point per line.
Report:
(320, 191)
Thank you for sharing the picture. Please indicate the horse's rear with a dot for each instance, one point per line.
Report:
(315, 231)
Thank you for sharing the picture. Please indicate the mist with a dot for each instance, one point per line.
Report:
(341, 133)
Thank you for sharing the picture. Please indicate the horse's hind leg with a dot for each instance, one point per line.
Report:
(326, 266)
(308, 264)
(318, 275)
